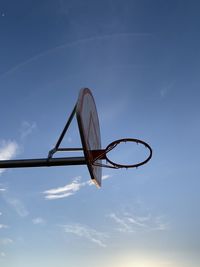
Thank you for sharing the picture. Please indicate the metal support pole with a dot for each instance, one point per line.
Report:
(55, 149)
(42, 162)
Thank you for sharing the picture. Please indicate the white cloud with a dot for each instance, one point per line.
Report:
(39, 220)
(87, 233)
(3, 226)
(65, 191)
(27, 128)
(74, 186)
(131, 223)
(59, 196)
(8, 149)
(106, 176)
(2, 189)
(69, 189)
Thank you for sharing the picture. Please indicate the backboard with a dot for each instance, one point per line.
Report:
(88, 124)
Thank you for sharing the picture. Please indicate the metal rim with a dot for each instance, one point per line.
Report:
(116, 142)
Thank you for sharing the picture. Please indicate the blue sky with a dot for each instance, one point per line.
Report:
(141, 61)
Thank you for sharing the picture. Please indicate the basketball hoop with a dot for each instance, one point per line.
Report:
(102, 154)
(88, 123)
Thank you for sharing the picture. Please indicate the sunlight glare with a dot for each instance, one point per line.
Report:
(142, 261)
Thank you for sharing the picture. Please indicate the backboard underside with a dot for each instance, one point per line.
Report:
(88, 123)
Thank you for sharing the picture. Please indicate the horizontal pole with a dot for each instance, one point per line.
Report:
(71, 149)
(42, 162)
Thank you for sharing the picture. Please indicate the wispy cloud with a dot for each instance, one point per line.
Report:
(6, 241)
(69, 189)
(3, 226)
(87, 233)
(2, 254)
(166, 89)
(2, 189)
(65, 191)
(8, 149)
(39, 221)
(104, 177)
(123, 224)
(27, 128)
(71, 44)
(129, 223)
(17, 205)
